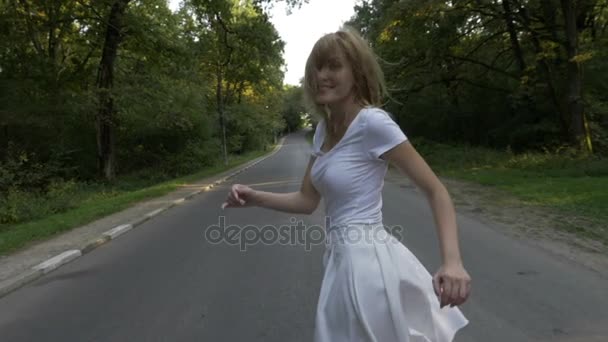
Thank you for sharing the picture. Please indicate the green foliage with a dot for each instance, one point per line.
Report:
(166, 121)
(164, 86)
(564, 162)
(251, 126)
(22, 170)
(458, 75)
(293, 109)
(17, 205)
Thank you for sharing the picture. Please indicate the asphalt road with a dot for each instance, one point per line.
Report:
(168, 281)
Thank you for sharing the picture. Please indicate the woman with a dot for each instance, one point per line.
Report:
(374, 288)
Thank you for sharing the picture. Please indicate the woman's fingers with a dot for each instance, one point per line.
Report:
(452, 291)
(234, 201)
(465, 291)
(229, 204)
(436, 285)
(455, 293)
(235, 194)
(455, 284)
(234, 198)
(446, 291)
(460, 291)
(237, 197)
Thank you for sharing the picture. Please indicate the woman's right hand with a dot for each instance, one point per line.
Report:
(239, 196)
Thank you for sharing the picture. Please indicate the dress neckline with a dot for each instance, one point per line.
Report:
(348, 129)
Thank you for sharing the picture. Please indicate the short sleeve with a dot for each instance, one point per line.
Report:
(317, 139)
(382, 133)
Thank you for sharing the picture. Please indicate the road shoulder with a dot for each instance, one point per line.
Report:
(539, 226)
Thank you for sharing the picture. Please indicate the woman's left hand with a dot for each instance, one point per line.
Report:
(452, 284)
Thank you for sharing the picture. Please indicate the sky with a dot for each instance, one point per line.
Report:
(301, 29)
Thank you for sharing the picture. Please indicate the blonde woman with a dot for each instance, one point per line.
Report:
(374, 288)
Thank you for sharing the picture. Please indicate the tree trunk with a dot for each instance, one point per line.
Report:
(105, 120)
(222, 64)
(578, 130)
(4, 140)
(550, 19)
(546, 70)
(519, 56)
(220, 110)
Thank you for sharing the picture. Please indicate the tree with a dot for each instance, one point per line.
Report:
(246, 57)
(522, 60)
(105, 81)
(293, 108)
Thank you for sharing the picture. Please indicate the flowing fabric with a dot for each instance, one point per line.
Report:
(375, 290)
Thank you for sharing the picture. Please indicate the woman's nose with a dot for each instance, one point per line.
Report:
(322, 73)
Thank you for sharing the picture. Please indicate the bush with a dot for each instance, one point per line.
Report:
(195, 156)
(563, 162)
(25, 170)
(17, 205)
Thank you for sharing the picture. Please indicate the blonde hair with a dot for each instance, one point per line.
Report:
(369, 84)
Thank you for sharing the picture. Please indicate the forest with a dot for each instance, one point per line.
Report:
(510, 73)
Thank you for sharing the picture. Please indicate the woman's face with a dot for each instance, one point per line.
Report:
(335, 80)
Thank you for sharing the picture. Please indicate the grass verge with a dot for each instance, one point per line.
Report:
(574, 185)
(93, 201)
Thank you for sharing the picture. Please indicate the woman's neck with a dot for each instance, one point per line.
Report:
(343, 113)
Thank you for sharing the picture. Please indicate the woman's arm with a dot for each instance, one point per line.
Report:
(304, 201)
(455, 282)
(408, 161)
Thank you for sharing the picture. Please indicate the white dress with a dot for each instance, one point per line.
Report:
(374, 289)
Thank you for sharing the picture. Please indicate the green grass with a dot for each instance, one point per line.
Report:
(576, 186)
(97, 200)
(583, 195)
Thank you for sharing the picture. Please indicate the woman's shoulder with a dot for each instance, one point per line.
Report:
(372, 112)
(376, 118)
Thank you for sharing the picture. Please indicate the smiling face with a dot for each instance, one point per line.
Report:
(335, 80)
(342, 69)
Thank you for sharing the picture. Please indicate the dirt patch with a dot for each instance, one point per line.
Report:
(562, 234)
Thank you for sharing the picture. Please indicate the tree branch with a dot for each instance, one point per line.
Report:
(219, 19)
(485, 65)
(33, 34)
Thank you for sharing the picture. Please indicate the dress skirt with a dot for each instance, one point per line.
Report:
(375, 290)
